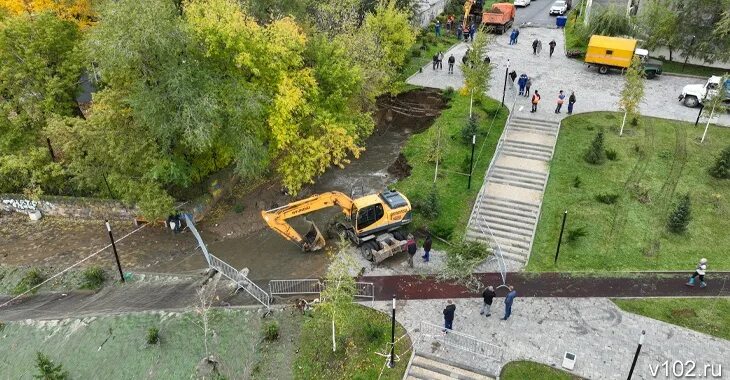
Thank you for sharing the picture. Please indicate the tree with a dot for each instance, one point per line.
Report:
(721, 168)
(716, 103)
(392, 31)
(633, 91)
(477, 72)
(339, 290)
(699, 20)
(596, 153)
(610, 21)
(48, 370)
(658, 24)
(80, 12)
(721, 34)
(681, 216)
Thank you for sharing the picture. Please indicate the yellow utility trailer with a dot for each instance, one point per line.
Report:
(616, 52)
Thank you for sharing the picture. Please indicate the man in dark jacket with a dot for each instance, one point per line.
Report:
(534, 47)
(508, 303)
(449, 316)
(412, 248)
(488, 295)
(571, 101)
(426, 248)
(552, 47)
(451, 63)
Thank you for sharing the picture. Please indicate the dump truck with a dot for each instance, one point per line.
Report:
(499, 18)
(616, 53)
(693, 95)
(370, 222)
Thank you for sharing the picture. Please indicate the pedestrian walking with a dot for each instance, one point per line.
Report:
(435, 61)
(561, 100)
(535, 101)
(412, 248)
(438, 28)
(699, 271)
(451, 63)
(539, 47)
(450, 22)
(458, 32)
(571, 101)
(508, 302)
(441, 61)
(472, 31)
(534, 47)
(449, 316)
(427, 248)
(517, 35)
(521, 83)
(527, 87)
(488, 295)
(552, 47)
(466, 33)
(513, 37)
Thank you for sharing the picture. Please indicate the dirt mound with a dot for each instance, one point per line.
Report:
(400, 168)
(412, 111)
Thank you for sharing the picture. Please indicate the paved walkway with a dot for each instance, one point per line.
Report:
(603, 337)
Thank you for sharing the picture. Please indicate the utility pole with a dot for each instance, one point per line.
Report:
(391, 362)
(504, 90)
(471, 163)
(587, 14)
(636, 355)
(702, 106)
(114, 249)
(560, 238)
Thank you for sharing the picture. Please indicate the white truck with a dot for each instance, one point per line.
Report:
(694, 94)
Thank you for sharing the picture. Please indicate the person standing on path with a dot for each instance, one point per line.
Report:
(517, 35)
(427, 248)
(561, 100)
(521, 83)
(451, 63)
(552, 47)
(441, 61)
(458, 32)
(435, 61)
(508, 302)
(699, 271)
(571, 101)
(438, 28)
(412, 248)
(535, 100)
(527, 87)
(449, 312)
(488, 295)
(472, 31)
(534, 47)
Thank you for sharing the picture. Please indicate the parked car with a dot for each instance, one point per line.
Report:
(559, 8)
(522, 3)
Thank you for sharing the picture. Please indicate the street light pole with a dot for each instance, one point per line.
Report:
(114, 249)
(702, 106)
(504, 90)
(636, 355)
(560, 238)
(471, 163)
(391, 362)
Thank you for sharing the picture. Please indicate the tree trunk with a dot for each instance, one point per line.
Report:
(707, 126)
(622, 124)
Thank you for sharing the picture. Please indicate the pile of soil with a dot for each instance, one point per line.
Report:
(412, 111)
(400, 168)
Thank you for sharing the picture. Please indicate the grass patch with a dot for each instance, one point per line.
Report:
(520, 370)
(690, 69)
(661, 160)
(31, 278)
(454, 200)
(707, 315)
(356, 356)
(94, 278)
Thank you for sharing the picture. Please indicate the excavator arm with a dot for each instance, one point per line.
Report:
(467, 8)
(313, 240)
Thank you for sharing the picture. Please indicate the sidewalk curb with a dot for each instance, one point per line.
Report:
(683, 75)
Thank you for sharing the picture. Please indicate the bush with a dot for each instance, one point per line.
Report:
(442, 229)
(466, 163)
(94, 278)
(153, 335)
(681, 216)
(575, 234)
(577, 182)
(448, 93)
(431, 207)
(612, 155)
(31, 279)
(596, 153)
(721, 168)
(373, 331)
(239, 208)
(469, 130)
(271, 331)
(48, 370)
(607, 198)
(416, 53)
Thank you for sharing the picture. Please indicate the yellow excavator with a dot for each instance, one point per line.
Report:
(371, 222)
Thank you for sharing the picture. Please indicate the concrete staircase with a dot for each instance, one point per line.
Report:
(508, 205)
(424, 368)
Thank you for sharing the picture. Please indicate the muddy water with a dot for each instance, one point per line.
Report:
(267, 255)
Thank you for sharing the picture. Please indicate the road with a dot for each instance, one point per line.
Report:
(537, 12)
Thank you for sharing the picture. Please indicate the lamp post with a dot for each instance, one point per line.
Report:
(504, 90)
(560, 238)
(471, 163)
(391, 362)
(114, 249)
(636, 355)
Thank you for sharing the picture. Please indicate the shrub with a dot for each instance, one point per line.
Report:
(721, 168)
(416, 53)
(239, 208)
(373, 331)
(442, 229)
(469, 130)
(48, 370)
(577, 182)
(94, 278)
(612, 155)
(2, 326)
(575, 233)
(681, 216)
(449, 93)
(596, 153)
(466, 163)
(271, 331)
(607, 198)
(31, 279)
(431, 207)
(153, 335)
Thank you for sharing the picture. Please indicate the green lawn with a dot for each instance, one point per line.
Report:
(657, 163)
(454, 198)
(116, 348)
(357, 348)
(521, 370)
(707, 315)
(703, 71)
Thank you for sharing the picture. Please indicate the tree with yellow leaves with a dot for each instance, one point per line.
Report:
(79, 11)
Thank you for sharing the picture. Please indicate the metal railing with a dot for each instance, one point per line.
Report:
(290, 287)
(461, 341)
(241, 280)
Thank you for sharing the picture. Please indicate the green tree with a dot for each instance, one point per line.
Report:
(393, 31)
(477, 72)
(633, 91)
(596, 153)
(659, 25)
(721, 168)
(48, 370)
(699, 21)
(610, 21)
(681, 216)
(339, 291)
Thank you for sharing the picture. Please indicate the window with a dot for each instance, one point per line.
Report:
(609, 52)
(366, 216)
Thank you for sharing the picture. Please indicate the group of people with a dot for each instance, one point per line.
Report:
(461, 29)
(525, 82)
(537, 47)
(488, 296)
(412, 248)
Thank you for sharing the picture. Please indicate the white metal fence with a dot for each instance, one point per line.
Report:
(241, 280)
(363, 290)
(453, 339)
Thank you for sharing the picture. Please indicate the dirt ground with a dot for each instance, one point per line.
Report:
(234, 230)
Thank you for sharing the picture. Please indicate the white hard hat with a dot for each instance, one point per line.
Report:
(703, 261)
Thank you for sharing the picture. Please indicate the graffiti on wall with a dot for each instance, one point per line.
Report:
(21, 204)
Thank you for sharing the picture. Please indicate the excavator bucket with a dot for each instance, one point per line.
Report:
(313, 240)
